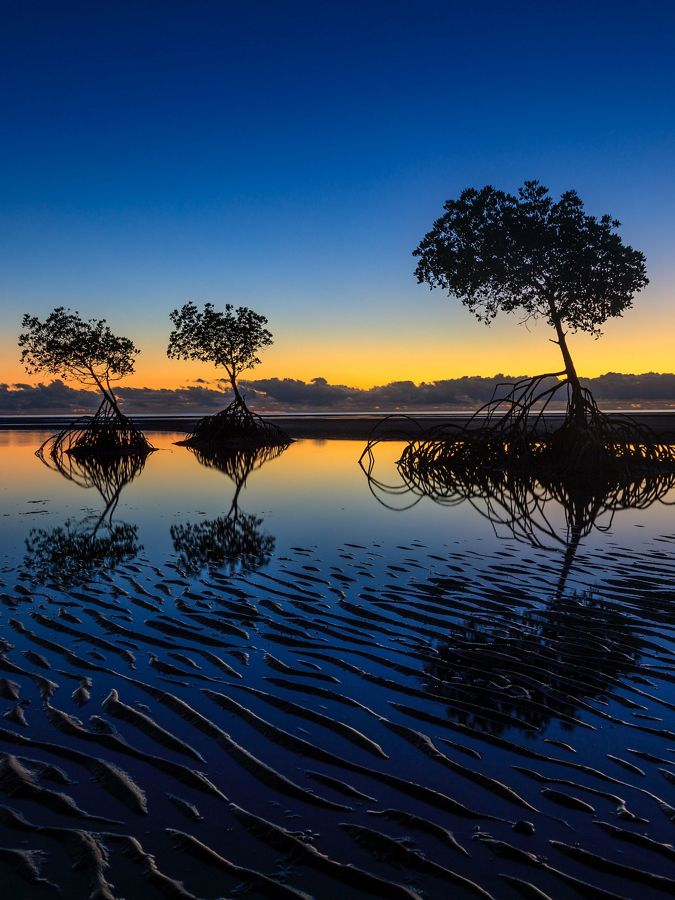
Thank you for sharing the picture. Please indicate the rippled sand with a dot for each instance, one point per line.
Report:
(401, 723)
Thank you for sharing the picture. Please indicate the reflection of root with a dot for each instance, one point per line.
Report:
(509, 464)
(108, 475)
(237, 464)
(108, 434)
(519, 502)
(235, 427)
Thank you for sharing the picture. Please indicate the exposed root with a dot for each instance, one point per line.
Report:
(233, 428)
(510, 462)
(513, 435)
(107, 434)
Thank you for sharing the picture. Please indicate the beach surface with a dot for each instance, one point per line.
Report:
(339, 426)
(311, 694)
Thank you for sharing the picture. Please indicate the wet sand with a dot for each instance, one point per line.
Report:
(393, 723)
(333, 426)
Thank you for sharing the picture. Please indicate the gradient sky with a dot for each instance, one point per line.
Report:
(289, 156)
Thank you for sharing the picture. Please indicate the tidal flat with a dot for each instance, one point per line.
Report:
(267, 677)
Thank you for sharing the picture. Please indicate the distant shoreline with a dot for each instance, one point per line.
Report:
(334, 426)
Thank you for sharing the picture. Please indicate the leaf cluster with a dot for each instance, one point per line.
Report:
(231, 339)
(496, 251)
(74, 348)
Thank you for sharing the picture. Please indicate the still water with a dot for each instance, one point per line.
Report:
(424, 700)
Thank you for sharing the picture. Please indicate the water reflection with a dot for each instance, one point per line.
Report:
(504, 666)
(75, 551)
(534, 667)
(526, 508)
(236, 541)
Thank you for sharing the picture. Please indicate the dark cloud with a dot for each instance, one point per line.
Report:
(27, 399)
(57, 397)
(289, 394)
(650, 386)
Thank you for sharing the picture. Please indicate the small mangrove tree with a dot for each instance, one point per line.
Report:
(230, 340)
(85, 351)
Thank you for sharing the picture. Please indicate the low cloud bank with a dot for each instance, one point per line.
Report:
(648, 390)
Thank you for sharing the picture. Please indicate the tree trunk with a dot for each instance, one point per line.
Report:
(576, 408)
(108, 395)
(112, 399)
(235, 389)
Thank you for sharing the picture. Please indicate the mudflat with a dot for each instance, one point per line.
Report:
(337, 426)
(264, 680)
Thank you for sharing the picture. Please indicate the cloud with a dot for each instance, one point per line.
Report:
(291, 394)
(25, 399)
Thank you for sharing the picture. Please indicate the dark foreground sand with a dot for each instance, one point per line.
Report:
(397, 726)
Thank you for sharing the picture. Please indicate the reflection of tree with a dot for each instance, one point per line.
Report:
(536, 666)
(109, 476)
(76, 550)
(541, 664)
(70, 552)
(234, 542)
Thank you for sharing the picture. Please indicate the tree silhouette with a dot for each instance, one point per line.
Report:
(546, 259)
(230, 340)
(498, 252)
(85, 351)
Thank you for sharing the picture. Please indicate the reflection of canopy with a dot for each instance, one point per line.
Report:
(234, 541)
(536, 666)
(72, 553)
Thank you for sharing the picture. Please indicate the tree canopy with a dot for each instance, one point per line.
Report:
(548, 259)
(231, 339)
(76, 349)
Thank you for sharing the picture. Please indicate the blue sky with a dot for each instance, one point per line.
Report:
(290, 156)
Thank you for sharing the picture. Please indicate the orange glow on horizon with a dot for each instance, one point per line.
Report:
(367, 358)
